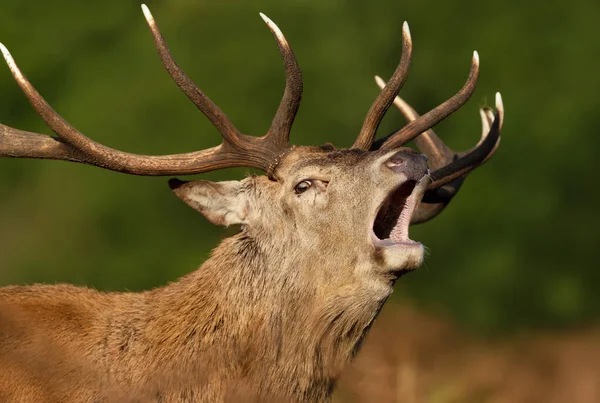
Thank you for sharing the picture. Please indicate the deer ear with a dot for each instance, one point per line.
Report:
(222, 203)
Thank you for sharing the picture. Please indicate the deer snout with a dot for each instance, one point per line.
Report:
(411, 164)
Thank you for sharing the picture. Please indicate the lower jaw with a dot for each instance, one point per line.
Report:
(387, 243)
(400, 257)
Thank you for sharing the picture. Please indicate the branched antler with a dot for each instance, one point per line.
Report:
(449, 168)
(237, 149)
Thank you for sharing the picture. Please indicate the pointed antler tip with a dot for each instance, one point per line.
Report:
(147, 14)
(275, 31)
(266, 19)
(10, 61)
(380, 82)
(475, 57)
(498, 98)
(500, 107)
(406, 34)
(4, 50)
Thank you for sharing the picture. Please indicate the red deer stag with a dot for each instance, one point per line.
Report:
(280, 308)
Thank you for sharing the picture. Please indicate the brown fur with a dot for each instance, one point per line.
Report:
(276, 312)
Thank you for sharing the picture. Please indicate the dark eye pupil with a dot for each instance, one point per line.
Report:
(303, 186)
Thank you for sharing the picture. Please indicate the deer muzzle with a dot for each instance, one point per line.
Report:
(409, 163)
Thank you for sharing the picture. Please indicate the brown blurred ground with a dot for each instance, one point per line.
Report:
(412, 357)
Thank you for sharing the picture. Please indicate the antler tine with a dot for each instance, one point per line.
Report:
(66, 133)
(473, 158)
(386, 96)
(216, 116)
(428, 142)
(61, 127)
(487, 119)
(290, 102)
(436, 115)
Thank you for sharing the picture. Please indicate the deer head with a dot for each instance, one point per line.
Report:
(313, 186)
(336, 218)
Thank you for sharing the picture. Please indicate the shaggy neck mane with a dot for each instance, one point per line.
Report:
(237, 309)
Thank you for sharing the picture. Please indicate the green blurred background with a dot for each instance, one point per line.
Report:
(517, 249)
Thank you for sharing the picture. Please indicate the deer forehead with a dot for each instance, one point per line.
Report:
(312, 162)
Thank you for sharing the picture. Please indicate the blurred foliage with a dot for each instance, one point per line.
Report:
(517, 248)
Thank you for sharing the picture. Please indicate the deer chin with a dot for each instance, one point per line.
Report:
(390, 227)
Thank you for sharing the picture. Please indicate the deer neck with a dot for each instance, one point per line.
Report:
(255, 305)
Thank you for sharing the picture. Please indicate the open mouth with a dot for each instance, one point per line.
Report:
(390, 227)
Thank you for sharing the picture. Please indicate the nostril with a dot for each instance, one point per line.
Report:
(409, 163)
(396, 159)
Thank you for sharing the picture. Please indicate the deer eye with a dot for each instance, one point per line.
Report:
(303, 186)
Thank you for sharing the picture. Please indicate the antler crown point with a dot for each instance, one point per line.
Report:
(406, 31)
(10, 62)
(147, 13)
(4, 50)
(499, 103)
(266, 19)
